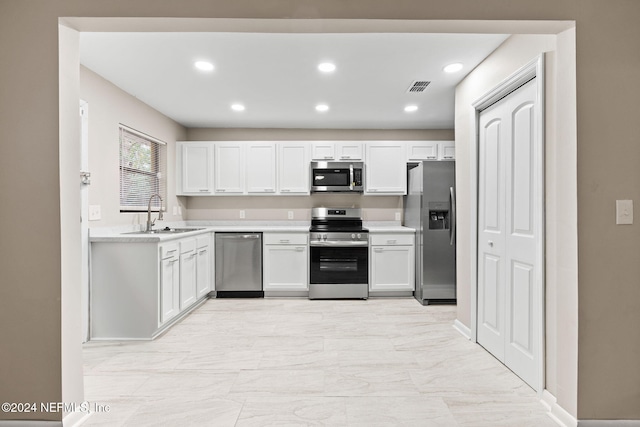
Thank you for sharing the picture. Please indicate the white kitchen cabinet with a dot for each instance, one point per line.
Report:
(348, 150)
(336, 150)
(392, 263)
(323, 150)
(446, 150)
(229, 161)
(286, 263)
(194, 168)
(293, 167)
(261, 167)
(169, 282)
(139, 289)
(430, 150)
(204, 265)
(385, 168)
(187, 272)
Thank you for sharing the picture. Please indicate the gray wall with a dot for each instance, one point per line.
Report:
(32, 223)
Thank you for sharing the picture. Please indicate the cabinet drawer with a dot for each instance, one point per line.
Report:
(286, 239)
(169, 250)
(203, 241)
(187, 245)
(391, 239)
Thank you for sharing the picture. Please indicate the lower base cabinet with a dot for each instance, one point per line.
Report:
(392, 263)
(285, 263)
(139, 289)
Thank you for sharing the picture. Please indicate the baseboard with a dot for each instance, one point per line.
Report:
(556, 412)
(462, 328)
(30, 423)
(609, 423)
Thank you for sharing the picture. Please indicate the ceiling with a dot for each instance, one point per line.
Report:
(275, 76)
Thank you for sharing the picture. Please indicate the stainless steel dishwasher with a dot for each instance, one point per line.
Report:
(238, 265)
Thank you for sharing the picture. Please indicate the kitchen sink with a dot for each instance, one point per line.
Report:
(165, 230)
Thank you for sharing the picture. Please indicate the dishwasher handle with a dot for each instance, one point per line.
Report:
(238, 236)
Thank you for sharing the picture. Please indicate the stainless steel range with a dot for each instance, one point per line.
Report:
(339, 251)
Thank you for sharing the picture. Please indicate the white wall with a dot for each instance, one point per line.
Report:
(108, 107)
(561, 185)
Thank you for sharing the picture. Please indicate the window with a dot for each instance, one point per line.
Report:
(143, 171)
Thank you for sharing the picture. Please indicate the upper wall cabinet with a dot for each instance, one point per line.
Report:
(385, 168)
(430, 150)
(293, 167)
(229, 167)
(336, 150)
(195, 168)
(261, 167)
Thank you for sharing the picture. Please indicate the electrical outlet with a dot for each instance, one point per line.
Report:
(94, 213)
(624, 211)
(241, 214)
(290, 214)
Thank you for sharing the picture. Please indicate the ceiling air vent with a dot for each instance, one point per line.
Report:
(418, 86)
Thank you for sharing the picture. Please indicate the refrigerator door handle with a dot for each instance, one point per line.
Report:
(452, 219)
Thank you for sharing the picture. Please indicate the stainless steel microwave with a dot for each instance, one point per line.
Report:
(337, 177)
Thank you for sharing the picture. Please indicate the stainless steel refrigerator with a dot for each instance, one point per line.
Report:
(430, 208)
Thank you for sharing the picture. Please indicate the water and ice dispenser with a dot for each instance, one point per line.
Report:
(439, 218)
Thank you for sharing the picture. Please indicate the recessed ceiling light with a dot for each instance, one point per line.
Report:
(327, 67)
(237, 107)
(452, 68)
(322, 107)
(204, 65)
(411, 108)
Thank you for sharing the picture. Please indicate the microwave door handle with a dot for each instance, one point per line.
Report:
(351, 183)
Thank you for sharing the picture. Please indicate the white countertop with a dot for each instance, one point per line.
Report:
(121, 234)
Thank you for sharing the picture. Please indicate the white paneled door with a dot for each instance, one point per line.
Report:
(510, 232)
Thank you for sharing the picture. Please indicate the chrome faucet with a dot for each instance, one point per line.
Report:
(149, 222)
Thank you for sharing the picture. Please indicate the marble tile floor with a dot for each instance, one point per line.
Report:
(296, 362)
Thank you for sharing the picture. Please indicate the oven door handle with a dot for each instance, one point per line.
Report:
(351, 180)
(338, 244)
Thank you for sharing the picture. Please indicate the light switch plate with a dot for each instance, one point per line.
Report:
(94, 213)
(398, 218)
(624, 211)
(241, 214)
(290, 214)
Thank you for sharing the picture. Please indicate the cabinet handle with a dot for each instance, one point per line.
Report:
(328, 157)
(203, 190)
(203, 251)
(378, 249)
(171, 251)
(284, 190)
(391, 241)
(268, 190)
(299, 249)
(221, 190)
(284, 240)
(346, 157)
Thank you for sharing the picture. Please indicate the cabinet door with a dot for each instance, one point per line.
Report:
(169, 288)
(392, 268)
(447, 150)
(286, 268)
(203, 272)
(187, 279)
(323, 150)
(349, 150)
(422, 150)
(261, 167)
(385, 169)
(196, 168)
(293, 168)
(229, 168)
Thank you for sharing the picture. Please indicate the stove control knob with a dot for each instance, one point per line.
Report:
(353, 236)
(324, 237)
(359, 236)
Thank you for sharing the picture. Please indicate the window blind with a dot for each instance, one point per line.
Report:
(143, 171)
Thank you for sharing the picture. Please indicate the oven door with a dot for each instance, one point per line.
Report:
(339, 265)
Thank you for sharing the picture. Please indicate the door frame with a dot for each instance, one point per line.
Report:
(533, 69)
